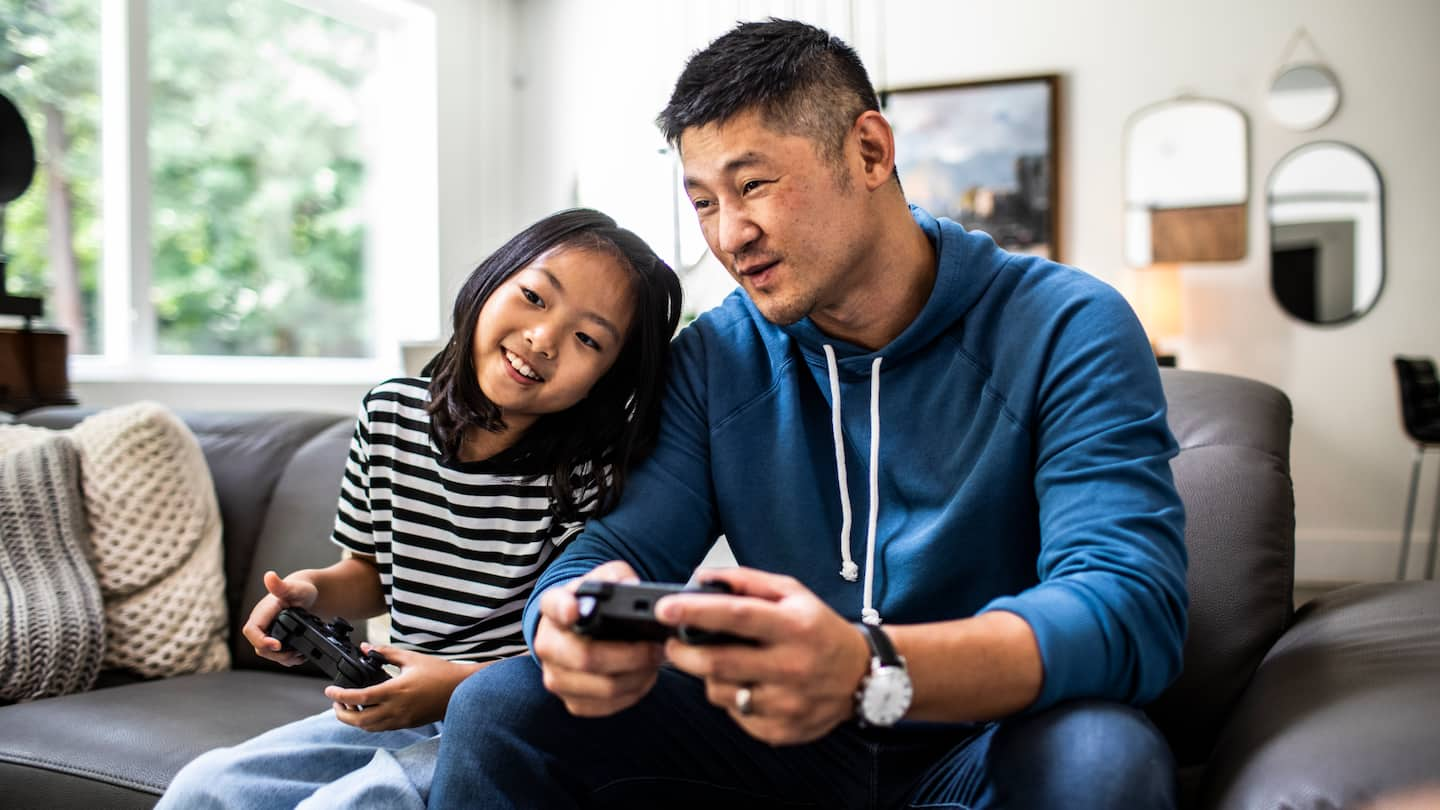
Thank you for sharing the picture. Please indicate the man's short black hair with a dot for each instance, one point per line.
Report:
(802, 80)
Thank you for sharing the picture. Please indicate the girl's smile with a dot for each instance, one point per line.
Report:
(520, 369)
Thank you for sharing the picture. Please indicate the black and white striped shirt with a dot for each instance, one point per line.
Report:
(459, 545)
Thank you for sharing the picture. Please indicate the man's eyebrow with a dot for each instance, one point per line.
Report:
(590, 315)
(735, 164)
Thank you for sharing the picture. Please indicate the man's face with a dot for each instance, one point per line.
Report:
(774, 212)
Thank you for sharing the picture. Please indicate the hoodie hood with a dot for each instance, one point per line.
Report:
(966, 265)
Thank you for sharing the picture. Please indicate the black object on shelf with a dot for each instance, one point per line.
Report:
(32, 361)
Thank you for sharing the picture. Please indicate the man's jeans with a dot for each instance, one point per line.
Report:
(510, 743)
(318, 762)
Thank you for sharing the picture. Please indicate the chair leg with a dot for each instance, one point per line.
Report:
(1410, 511)
(1434, 531)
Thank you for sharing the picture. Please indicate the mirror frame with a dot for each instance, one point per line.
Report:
(1320, 67)
(1357, 313)
(1247, 200)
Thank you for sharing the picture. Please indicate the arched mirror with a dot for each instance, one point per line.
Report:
(1325, 207)
(1304, 96)
(1187, 183)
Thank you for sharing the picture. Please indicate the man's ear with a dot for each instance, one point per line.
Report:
(876, 143)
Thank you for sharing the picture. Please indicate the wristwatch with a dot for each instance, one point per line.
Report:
(884, 694)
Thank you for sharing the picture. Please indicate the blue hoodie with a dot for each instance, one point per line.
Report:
(1021, 464)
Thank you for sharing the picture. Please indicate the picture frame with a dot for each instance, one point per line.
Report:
(985, 154)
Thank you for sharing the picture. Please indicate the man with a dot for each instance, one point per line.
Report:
(943, 468)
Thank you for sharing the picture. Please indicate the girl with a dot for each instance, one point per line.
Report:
(459, 489)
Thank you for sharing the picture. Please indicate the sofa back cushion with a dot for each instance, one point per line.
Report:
(1233, 473)
(296, 530)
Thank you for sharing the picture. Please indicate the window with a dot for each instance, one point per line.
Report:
(253, 180)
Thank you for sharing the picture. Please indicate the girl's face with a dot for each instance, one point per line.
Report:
(548, 334)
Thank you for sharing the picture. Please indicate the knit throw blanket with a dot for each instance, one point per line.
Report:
(52, 619)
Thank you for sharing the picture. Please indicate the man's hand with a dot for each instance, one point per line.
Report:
(418, 695)
(593, 678)
(289, 592)
(803, 675)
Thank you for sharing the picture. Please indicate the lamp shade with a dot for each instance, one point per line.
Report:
(1157, 302)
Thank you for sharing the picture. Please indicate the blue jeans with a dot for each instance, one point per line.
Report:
(510, 743)
(318, 762)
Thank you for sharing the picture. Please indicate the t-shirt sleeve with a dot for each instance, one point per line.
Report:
(354, 530)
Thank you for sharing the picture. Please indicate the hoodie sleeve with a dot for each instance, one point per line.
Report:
(1109, 611)
(665, 521)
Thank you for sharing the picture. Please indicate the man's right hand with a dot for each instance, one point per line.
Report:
(593, 678)
(283, 593)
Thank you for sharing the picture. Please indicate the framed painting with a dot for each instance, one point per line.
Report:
(984, 154)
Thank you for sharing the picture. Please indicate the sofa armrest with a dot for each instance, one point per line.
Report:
(1344, 710)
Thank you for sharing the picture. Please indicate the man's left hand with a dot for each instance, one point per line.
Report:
(803, 675)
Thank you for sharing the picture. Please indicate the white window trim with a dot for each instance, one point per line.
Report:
(403, 265)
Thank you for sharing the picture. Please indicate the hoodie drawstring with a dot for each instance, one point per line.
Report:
(848, 569)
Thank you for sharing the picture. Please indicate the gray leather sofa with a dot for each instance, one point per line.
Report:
(277, 476)
(1332, 706)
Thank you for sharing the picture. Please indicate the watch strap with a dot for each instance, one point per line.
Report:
(880, 645)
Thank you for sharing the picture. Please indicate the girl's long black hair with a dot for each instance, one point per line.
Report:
(588, 448)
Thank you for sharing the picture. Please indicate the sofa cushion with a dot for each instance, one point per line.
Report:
(1344, 711)
(296, 530)
(52, 619)
(1233, 474)
(120, 747)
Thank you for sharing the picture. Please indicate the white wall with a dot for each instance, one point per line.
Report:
(595, 74)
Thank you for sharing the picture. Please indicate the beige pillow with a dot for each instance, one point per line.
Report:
(155, 532)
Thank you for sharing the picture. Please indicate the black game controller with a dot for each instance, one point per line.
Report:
(616, 611)
(329, 646)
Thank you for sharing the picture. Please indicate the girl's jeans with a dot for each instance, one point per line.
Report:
(318, 762)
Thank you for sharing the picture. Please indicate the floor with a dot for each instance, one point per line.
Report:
(1305, 591)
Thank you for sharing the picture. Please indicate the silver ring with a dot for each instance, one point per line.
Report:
(744, 702)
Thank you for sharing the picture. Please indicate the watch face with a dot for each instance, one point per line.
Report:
(886, 697)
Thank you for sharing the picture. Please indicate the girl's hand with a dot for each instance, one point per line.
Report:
(418, 695)
(292, 591)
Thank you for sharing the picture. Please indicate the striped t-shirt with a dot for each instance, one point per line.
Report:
(458, 545)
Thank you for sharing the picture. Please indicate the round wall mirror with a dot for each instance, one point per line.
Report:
(1304, 96)
(1187, 182)
(1325, 207)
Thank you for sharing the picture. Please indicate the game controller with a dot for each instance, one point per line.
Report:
(329, 647)
(616, 611)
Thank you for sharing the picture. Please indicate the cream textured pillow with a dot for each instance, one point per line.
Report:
(155, 533)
